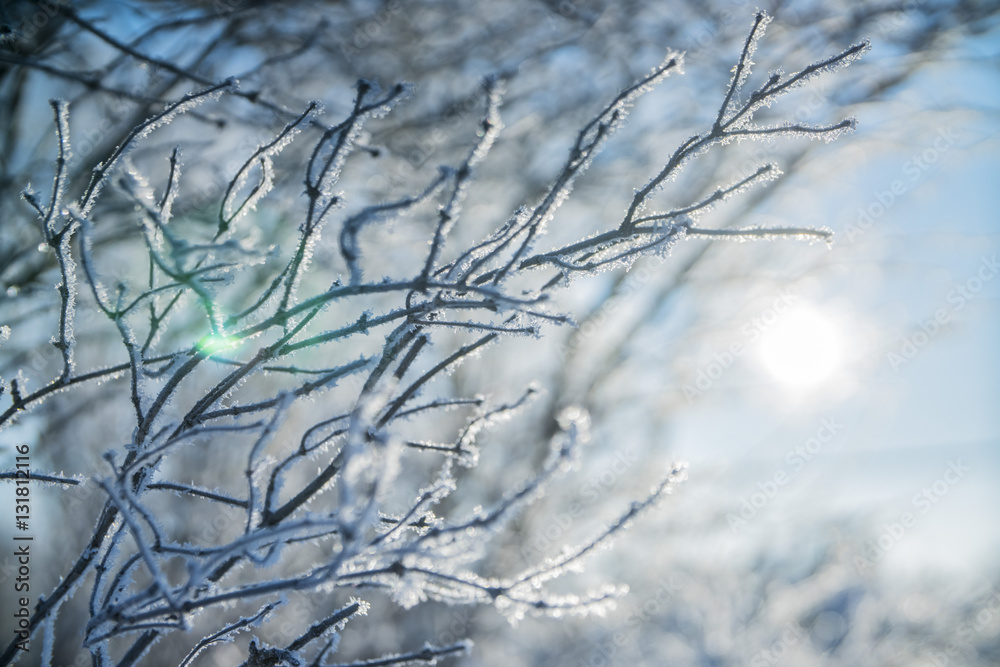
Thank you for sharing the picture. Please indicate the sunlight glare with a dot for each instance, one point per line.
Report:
(803, 349)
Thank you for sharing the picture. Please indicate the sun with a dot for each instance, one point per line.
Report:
(803, 349)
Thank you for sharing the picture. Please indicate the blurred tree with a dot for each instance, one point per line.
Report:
(198, 300)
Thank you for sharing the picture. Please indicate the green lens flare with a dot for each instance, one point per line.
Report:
(213, 343)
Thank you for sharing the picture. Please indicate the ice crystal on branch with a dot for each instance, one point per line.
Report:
(294, 418)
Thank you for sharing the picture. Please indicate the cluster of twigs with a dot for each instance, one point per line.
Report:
(347, 507)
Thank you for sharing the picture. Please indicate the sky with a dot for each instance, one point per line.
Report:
(896, 342)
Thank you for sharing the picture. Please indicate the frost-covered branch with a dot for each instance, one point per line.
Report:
(294, 387)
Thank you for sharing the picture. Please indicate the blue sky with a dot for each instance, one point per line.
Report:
(905, 420)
